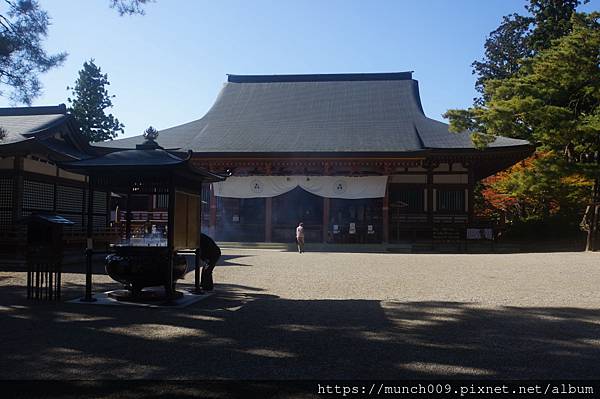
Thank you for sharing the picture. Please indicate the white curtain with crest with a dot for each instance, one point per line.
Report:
(345, 187)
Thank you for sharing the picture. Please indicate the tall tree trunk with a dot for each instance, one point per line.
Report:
(592, 230)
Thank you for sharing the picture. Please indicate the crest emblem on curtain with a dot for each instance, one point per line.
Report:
(256, 187)
(340, 187)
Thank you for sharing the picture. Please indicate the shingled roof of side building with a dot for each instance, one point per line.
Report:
(341, 113)
(46, 129)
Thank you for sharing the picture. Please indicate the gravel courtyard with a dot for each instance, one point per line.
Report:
(283, 315)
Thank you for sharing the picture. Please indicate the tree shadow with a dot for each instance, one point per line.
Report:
(243, 333)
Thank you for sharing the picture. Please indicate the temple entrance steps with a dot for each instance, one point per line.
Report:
(424, 247)
(255, 245)
(320, 247)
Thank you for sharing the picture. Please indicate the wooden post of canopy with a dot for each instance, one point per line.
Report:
(128, 217)
(197, 253)
(89, 251)
(170, 240)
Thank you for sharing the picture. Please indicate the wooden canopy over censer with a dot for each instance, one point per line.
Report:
(149, 169)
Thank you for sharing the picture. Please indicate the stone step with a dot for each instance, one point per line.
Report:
(320, 247)
(256, 245)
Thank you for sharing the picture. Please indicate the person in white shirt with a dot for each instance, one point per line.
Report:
(300, 237)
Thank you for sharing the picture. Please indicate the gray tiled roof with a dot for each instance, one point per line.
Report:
(315, 113)
(21, 123)
(28, 128)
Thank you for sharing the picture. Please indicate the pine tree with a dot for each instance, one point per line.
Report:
(23, 27)
(553, 100)
(522, 36)
(88, 106)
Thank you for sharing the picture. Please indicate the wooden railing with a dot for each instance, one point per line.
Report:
(145, 216)
(20, 235)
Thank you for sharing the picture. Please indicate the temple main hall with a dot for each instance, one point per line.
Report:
(352, 156)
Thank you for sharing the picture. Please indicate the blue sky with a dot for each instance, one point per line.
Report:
(167, 67)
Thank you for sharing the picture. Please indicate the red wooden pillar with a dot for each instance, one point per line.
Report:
(268, 209)
(326, 206)
(471, 194)
(326, 203)
(268, 219)
(386, 207)
(212, 221)
(430, 198)
(386, 216)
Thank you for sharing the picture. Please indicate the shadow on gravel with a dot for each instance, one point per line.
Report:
(242, 333)
(232, 260)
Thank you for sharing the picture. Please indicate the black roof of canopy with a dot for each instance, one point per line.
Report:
(139, 159)
(308, 114)
(148, 165)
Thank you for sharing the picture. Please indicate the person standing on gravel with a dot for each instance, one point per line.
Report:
(300, 237)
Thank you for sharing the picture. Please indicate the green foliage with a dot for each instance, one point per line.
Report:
(519, 37)
(551, 97)
(553, 100)
(23, 27)
(553, 227)
(504, 48)
(552, 20)
(129, 7)
(90, 100)
(543, 196)
(22, 56)
(547, 186)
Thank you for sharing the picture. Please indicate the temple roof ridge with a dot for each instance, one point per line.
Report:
(60, 109)
(325, 77)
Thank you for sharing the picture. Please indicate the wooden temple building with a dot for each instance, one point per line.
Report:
(352, 156)
(32, 141)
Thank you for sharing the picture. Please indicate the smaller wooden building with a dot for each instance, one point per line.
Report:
(32, 141)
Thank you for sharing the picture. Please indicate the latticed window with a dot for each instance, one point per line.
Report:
(70, 199)
(5, 219)
(38, 195)
(451, 200)
(411, 200)
(99, 202)
(162, 201)
(6, 192)
(99, 222)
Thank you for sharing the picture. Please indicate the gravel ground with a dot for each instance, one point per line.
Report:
(282, 315)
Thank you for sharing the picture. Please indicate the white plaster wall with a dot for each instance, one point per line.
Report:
(419, 179)
(450, 179)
